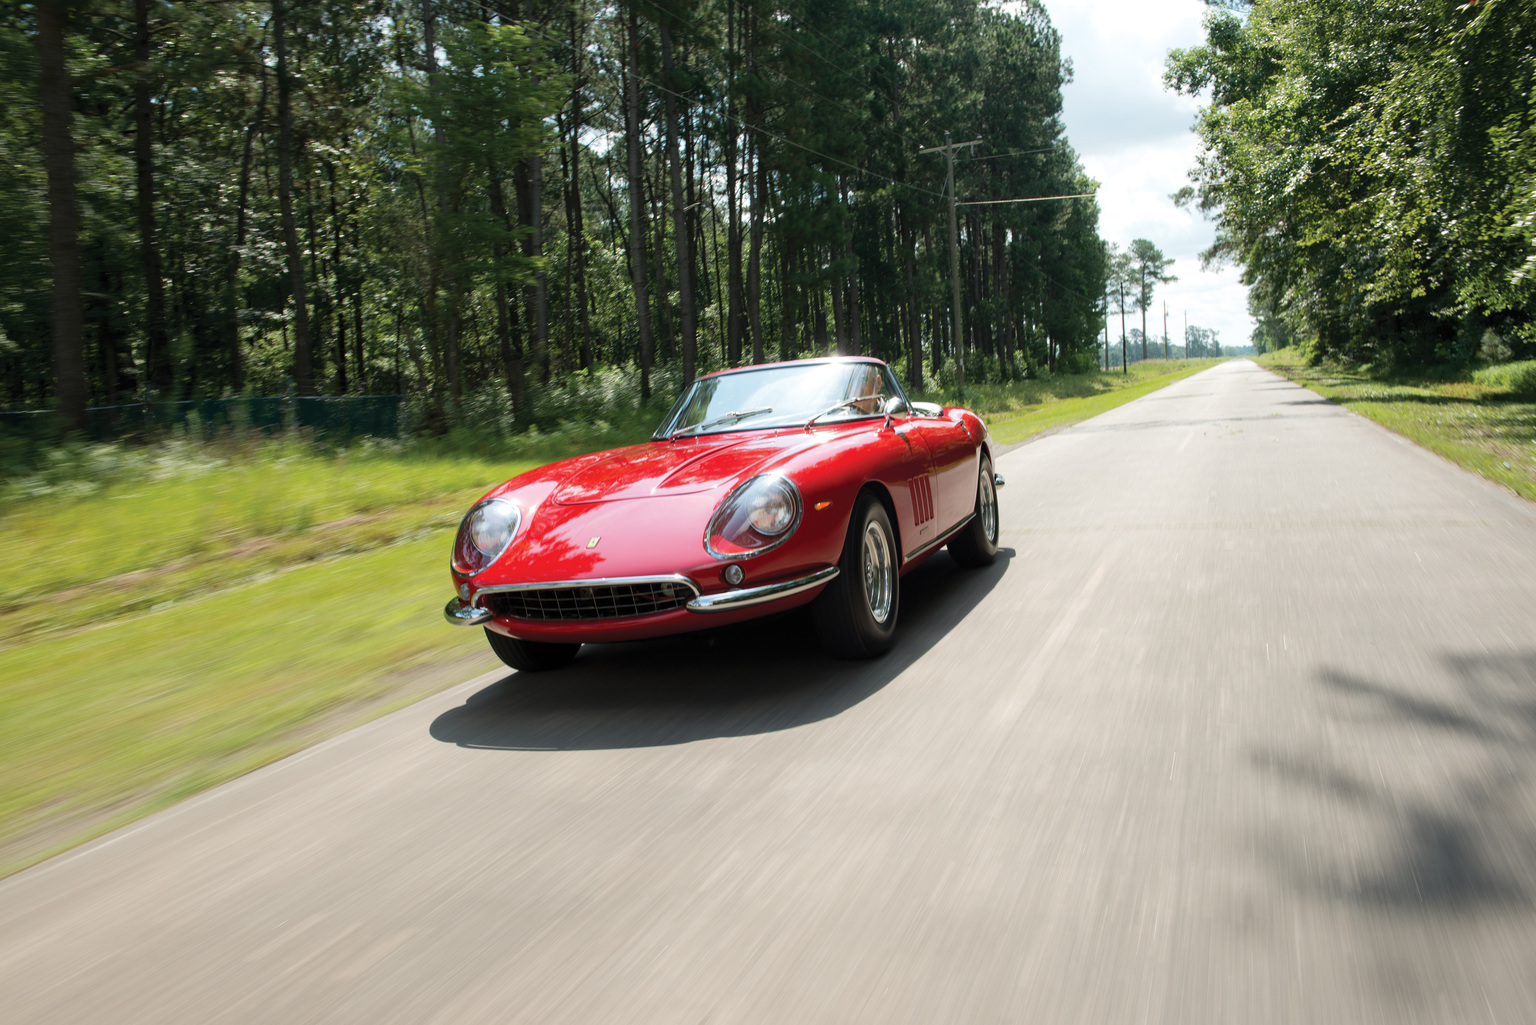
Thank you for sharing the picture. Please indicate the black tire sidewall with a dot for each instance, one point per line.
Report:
(972, 547)
(862, 635)
(988, 545)
(530, 656)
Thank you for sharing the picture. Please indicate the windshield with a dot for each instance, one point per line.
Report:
(780, 396)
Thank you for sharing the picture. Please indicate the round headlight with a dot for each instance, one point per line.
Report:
(484, 535)
(772, 512)
(759, 515)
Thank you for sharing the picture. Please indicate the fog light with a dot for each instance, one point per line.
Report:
(464, 591)
(734, 575)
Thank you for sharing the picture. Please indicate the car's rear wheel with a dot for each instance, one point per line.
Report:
(976, 545)
(530, 656)
(856, 615)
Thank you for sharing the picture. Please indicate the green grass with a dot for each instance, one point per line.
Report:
(102, 725)
(175, 616)
(1484, 421)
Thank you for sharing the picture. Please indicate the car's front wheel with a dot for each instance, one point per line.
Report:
(976, 545)
(856, 615)
(530, 656)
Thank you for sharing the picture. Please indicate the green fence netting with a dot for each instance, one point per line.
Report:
(341, 417)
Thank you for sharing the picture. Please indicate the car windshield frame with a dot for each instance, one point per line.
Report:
(694, 407)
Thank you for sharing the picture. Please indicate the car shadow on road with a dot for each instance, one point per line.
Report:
(755, 677)
(1451, 829)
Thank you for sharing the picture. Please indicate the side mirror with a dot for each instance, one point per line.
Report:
(895, 406)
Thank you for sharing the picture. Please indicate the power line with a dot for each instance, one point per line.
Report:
(1026, 199)
(1016, 153)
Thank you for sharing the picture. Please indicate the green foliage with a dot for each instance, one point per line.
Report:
(437, 196)
(1369, 166)
(1514, 379)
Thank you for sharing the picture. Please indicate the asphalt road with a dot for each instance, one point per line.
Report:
(1240, 728)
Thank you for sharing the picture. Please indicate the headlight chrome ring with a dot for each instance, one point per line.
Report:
(758, 516)
(486, 532)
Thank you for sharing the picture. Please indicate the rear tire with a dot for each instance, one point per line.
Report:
(855, 615)
(976, 545)
(530, 656)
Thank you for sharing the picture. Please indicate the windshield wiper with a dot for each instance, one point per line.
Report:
(845, 404)
(722, 419)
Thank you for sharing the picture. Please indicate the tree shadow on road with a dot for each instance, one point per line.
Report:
(754, 677)
(1453, 829)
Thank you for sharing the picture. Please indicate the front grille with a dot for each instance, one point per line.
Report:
(599, 601)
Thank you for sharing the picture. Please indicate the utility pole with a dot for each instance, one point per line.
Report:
(1165, 329)
(948, 149)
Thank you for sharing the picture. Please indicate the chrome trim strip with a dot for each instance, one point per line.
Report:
(748, 596)
(674, 578)
(920, 549)
(460, 614)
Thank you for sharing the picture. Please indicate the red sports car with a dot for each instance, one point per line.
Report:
(812, 482)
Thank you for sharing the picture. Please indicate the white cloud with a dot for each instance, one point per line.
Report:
(1134, 137)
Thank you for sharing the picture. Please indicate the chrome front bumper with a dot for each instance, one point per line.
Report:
(743, 597)
(462, 613)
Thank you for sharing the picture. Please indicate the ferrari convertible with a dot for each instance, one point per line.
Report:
(815, 482)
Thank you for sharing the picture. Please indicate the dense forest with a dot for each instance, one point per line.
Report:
(1372, 168)
(478, 202)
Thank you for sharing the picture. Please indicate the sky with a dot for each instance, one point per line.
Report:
(1135, 138)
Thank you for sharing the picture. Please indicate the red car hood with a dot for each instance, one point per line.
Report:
(679, 467)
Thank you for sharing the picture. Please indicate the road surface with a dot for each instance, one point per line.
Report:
(1241, 727)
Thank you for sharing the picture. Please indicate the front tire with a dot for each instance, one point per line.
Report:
(855, 615)
(530, 656)
(976, 545)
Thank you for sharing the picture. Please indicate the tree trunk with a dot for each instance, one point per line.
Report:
(575, 232)
(301, 358)
(232, 266)
(679, 213)
(157, 344)
(511, 351)
(732, 204)
(789, 306)
(339, 299)
(839, 327)
(663, 291)
(540, 279)
(357, 332)
(637, 229)
(68, 323)
(855, 333)
(908, 242)
(444, 206)
(755, 258)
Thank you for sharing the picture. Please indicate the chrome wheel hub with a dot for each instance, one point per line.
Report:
(879, 573)
(988, 504)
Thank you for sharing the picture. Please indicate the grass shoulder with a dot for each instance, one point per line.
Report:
(1482, 420)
